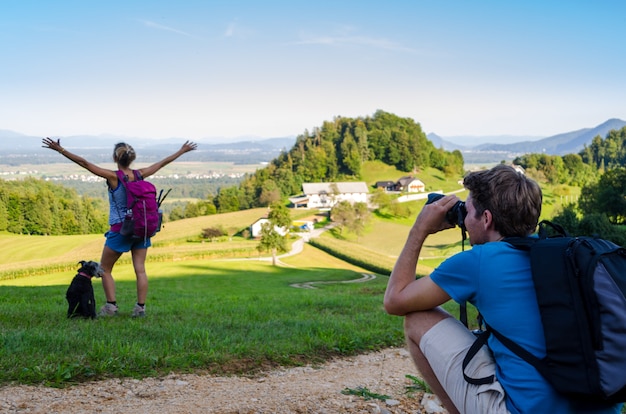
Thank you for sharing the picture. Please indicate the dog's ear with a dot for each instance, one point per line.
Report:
(81, 262)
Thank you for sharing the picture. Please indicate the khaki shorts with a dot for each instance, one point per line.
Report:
(445, 346)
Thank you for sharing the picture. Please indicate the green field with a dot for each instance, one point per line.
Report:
(212, 306)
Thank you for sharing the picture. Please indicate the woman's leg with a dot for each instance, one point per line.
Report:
(109, 257)
(139, 264)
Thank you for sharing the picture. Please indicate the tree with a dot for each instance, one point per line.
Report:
(353, 217)
(350, 156)
(272, 240)
(270, 193)
(607, 197)
(360, 219)
(342, 214)
(381, 199)
(279, 215)
(227, 200)
(212, 233)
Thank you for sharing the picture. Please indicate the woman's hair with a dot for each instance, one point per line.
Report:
(123, 154)
(513, 199)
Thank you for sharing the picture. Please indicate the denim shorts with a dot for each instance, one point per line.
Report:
(122, 244)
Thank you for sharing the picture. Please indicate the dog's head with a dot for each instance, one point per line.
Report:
(90, 268)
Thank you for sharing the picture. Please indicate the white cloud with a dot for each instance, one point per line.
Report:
(157, 26)
(344, 37)
(236, 30)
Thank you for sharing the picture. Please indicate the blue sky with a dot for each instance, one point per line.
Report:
(229, 69)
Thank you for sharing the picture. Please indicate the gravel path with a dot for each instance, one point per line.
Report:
(310, 389)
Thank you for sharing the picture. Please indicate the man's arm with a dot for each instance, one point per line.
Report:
(404, 292)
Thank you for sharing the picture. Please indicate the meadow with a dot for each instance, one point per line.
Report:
(208, 310)
(213, 307)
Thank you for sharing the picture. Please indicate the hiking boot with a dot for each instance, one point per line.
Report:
(138, 311)
(108, 310)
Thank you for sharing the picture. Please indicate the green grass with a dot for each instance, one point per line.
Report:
(435, 180)
(206, 314)
(203, 316)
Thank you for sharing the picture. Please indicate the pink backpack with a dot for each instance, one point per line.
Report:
(143, 217)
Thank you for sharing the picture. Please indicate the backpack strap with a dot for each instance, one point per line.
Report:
(123, 178)
(480, 341)
(539, 364)
(557, 228)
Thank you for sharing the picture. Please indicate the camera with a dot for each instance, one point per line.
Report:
(456, 215)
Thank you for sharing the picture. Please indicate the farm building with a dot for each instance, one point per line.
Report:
(326, 195)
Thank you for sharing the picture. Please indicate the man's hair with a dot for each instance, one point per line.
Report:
(513, 199)
(123, 154)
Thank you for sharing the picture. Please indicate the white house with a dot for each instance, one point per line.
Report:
(411, 185)
(326, 195)
(255, 228)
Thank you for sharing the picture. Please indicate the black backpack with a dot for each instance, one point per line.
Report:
(580, 283)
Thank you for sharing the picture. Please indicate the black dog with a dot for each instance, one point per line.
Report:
(79, 295)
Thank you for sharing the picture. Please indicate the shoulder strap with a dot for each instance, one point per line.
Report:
(521, 243)
(130, 200)
(122, 177)
(557, 228)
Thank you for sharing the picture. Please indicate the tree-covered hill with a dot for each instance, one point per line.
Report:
(34, 206)
(336, 151)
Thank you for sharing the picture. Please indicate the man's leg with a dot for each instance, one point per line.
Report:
(416, 324)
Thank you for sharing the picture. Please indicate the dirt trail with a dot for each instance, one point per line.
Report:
(310, 389)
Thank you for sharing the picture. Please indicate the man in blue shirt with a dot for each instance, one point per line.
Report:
(494, 277)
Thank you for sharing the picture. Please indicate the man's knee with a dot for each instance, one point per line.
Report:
(416, 324)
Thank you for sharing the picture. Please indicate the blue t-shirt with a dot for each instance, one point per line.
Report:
(496, 278)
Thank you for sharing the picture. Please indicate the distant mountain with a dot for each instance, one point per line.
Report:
(561, 144)
(264, 150)
(501, 148)
(439, 142)
(99, 148)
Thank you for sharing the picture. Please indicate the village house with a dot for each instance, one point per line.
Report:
(326, 195)
(255, 228)
(410, 184)
(386, 185)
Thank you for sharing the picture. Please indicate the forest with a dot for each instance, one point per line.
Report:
(335, 151)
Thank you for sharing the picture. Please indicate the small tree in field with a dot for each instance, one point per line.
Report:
(213, 233)
(272, 240)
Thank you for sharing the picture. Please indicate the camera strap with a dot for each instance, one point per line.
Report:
(463, 306)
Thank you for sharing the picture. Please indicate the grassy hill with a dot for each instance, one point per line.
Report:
(435, 180)
(177, 240)
(213, 306)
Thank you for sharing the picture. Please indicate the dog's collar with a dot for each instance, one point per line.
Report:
(85, 274)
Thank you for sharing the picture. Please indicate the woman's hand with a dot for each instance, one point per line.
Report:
(188, 146)
(52, 144)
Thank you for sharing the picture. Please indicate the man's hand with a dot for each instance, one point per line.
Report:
(432, 218)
